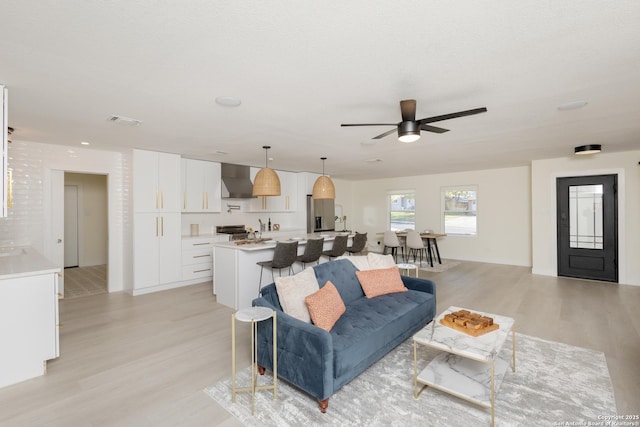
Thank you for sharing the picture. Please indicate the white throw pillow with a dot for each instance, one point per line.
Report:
(378, 261)
(292, 290)
(361, 262)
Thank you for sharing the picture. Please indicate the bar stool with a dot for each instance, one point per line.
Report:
(358, 244)
(339, 247)
(312, 252)
(284, 255)
(253, 315)
(391, 241)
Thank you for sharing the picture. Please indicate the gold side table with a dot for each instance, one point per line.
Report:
(408, 267)
(253, 315)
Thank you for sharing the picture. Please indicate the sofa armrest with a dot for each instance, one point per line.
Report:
(417, 284)
(305, 352)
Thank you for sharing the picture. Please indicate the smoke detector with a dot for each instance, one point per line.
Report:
(126, 121)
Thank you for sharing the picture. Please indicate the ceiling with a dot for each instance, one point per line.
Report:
(302, 68)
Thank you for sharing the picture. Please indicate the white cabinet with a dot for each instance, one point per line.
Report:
(156, 221)
(197, 258)
(157, 250)
(28, 326)
(287, 201)
(156, 182)
(201, 186)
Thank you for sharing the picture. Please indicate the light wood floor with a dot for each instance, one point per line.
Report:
(144, 361)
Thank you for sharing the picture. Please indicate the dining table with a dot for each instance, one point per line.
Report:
(431, 240)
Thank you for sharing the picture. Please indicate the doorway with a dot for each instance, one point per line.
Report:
(587, 234)
(71, 226)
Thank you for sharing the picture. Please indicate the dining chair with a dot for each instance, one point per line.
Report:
(415, 245)
(358, 243)
(339, 247)
(312, 252)
(392, 242)
(284, 255)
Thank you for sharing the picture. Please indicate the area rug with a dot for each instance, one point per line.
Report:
(447, 264)
(554, 384)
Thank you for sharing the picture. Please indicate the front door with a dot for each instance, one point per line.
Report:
(587, 209)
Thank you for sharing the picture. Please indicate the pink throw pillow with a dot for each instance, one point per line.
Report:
(325, 306)
(381, 281)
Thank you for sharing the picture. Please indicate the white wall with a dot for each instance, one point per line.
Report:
(92, 217)
(504, 207)
(543, 195)
(29, 222)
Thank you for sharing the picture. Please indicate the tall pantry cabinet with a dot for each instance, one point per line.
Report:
(156, 220)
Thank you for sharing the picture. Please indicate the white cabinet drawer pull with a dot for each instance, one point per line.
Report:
(200, 271)
(201, 256)
(200, 244)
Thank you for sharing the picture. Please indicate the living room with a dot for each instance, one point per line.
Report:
(513, 154)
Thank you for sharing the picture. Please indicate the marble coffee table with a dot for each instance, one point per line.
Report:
(468, 367)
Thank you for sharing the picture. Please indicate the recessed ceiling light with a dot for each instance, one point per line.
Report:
(373, 160)
(228, 101)
(221, 152)
(588, 149)
(84, 143)
(573, 105)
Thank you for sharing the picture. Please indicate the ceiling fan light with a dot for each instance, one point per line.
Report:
(266, 182)
(408, 131)
(588, 149)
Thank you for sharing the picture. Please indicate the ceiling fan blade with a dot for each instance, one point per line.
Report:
(369, 124)
(408, 110)
(382, 135)
(433, 129)
(452, 115)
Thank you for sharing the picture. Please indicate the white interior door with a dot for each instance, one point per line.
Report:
(71, 226)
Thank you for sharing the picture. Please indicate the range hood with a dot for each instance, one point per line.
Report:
(236, 182)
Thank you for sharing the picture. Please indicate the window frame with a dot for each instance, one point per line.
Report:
(390, 210)
(443, 208)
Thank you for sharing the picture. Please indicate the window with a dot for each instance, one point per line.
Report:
(402, 210)
(460, 214)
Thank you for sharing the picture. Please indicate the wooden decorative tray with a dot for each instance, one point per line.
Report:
(473, 324)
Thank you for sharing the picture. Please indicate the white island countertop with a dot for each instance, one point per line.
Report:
(272, 240)
(21, 261)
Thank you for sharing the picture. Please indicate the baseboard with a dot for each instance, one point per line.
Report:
(167, 286)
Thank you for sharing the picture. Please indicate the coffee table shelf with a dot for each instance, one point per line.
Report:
(469, 367)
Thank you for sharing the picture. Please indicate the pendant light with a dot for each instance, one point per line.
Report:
(323, 188)
(266, 182)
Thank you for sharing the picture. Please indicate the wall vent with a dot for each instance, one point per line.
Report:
(126, 121)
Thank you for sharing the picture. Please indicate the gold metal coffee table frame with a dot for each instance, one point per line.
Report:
(476, 356)
(253, 315)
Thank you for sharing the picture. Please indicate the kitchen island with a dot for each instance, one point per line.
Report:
(236, 274)
(28, 314)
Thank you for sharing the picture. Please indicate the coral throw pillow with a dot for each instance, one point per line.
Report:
(325, 306)
(381, 281)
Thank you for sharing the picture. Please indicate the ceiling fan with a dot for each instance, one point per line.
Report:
(409, 128)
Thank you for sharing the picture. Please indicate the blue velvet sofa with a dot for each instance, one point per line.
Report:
(321, 362)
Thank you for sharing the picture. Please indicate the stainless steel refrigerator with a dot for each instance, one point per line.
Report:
(321, 215)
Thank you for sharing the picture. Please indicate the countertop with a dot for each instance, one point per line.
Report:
(270, 244)
(22, 261)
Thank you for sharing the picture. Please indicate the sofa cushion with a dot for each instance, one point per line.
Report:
(370, 325)
(292, 290)
(381, 281)
(380, 261)
(325, 306)
(343, 275)
(360, 261)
